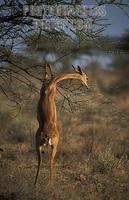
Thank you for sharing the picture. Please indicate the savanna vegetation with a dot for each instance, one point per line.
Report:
(92, 162)
(93, 155)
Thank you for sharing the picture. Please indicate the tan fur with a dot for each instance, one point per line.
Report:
(47, 132)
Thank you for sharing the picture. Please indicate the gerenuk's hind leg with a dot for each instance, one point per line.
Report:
(53, 143)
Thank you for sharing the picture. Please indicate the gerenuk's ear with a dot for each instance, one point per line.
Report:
(74, 69)
(80, 70)
(50, 69)
(45, 72)
(48, 65)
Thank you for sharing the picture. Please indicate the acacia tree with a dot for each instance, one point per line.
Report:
(17, 33)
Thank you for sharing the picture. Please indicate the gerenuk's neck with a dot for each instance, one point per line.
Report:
(63, 77)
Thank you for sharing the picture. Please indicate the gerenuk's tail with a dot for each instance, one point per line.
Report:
(39, 162)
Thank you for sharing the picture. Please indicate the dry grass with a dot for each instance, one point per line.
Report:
(92, 162)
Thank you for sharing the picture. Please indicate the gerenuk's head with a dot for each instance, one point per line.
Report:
(83, 77)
